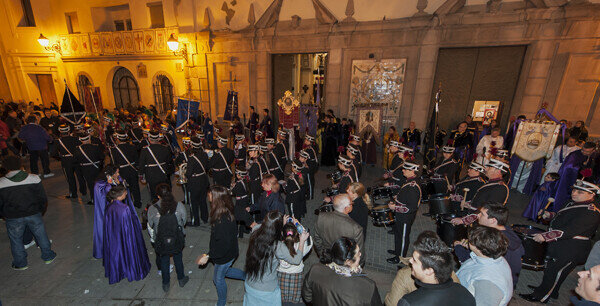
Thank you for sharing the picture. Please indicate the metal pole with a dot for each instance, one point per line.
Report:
(70, 101)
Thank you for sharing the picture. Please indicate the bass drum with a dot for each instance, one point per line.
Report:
(326, 207)
(449, 232)
(382, 215)
(439, 204)
(535, 252)
(378, 193)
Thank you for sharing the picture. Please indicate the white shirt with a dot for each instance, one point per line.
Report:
(486, 143)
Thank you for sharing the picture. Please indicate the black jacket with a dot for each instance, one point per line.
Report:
(446, 294)
(21, 195)
(223, 241)
(360, 213)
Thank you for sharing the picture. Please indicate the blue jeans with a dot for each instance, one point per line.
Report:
(165, 267)
(16, 229)
(221, 272)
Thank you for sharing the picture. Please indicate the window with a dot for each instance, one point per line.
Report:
(27, 20)
(123, 25)
(163, 94)
(157, 18)
(72, 23)
(125, 90)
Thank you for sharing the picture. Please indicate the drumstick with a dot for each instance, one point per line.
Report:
(464, 200)
(541, 212)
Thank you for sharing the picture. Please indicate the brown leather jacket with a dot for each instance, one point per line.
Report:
(331, 226)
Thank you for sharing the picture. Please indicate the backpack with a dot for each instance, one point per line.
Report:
(169, 236)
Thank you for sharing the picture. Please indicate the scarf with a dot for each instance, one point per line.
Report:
(343, 270)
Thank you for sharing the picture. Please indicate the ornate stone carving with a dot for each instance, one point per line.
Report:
(270, 16)
(350, 11)
(421, 6)
(251, 17)
(493, 6)
(296, 21)
(323, 15)
(450, 6)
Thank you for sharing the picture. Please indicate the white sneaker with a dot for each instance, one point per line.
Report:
(32, 243)
(48, 175)
(170, 270)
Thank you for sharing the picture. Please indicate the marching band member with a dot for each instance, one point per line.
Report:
(446, 171)
(197, 181)
(239, 150)
(295, 190)
(91, 160)
(67, 147)
(411, 136)
(394, 172)
(257, 167)
(354, 142)
(473, 181)
(275, 166)
(252, 124)
(569, 239)
(156, 163)
(405, 205)
(258, 136)
(345, 165)
(220, 163)
(462, 140)
(136, 133)
(242, 201)
(309, 170)
(495, 190)
(124, 156)
(281, 148)
(356, 165)
(309, 147)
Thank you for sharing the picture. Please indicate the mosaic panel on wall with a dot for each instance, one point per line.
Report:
(377, 84)
(153, 41)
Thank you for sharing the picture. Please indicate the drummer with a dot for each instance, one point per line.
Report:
(493, 215)
(495, 190)
(394, 172)
(349, 175)
(568, 239)
(445, 171)
(354, 142)
(356, 165)
(473, 181)
(405, 205)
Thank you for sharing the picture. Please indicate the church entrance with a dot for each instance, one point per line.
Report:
(300, 74)
(477, 81)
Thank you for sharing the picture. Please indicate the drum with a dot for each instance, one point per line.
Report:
(449, 232)
(326, 207)
(439, 204)
(382, 215)
(378, 193)
(535, 253)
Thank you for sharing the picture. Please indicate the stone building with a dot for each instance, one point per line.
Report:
(521, 54)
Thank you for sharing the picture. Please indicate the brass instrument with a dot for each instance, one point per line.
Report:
(181, 169)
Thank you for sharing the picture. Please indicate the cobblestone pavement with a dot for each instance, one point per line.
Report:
(76, 278)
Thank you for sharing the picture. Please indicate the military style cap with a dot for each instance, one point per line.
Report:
(410, 166)
(586, 186)
(304, 154)
(345, 160)
(448, 149)
(494, 163)
(477, 167)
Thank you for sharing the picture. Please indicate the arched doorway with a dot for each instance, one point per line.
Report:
(125, 90)
(163, 94)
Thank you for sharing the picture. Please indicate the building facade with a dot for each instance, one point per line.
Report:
(524, 54)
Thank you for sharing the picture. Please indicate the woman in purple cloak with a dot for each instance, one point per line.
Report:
(124, 250)
(112, 178)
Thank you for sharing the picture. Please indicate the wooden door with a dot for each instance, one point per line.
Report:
(46, 86)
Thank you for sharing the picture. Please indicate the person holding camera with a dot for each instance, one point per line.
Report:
(290, 275)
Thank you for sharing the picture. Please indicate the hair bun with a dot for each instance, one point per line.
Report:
(326, 257)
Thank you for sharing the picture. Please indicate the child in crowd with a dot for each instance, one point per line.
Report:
(290, 275)
(541, 196)
(270, 199)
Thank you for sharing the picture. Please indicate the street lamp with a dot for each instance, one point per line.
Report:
(173, 44)
(45, 42)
